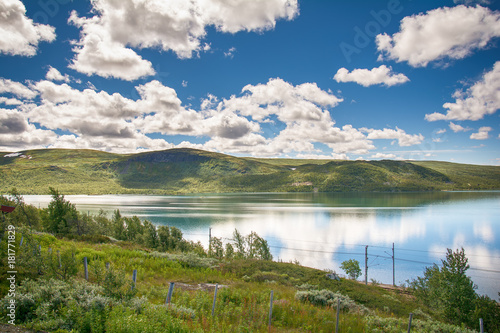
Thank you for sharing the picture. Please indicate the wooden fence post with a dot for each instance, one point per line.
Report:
(271, 309)
(134, 278)
(409, 323)
(338, 316)
(215, 297)
(85, 266)
(170, 291)
(481, 328)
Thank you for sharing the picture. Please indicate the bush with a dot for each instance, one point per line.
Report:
(116, 286)
(394, 325)
(53, 304)
(329, 298)
(84, 307)
(448, 289)
(188, 260)
(351, 267)
(152, 319)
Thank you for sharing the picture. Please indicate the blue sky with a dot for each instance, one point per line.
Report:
(393, 79)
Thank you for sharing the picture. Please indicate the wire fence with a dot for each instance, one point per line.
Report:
(382, 256)
(169, 296)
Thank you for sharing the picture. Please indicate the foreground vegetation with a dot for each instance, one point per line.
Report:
(52, 293)
(178, 171)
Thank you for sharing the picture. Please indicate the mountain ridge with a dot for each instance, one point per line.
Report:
(186, 170)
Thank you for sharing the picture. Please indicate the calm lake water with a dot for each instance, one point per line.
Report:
(321, 230)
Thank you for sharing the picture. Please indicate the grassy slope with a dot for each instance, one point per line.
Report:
(243, 300)
(466, 176)
(71, 171)
(177, 171)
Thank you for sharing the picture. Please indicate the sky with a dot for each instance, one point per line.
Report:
(353, 79)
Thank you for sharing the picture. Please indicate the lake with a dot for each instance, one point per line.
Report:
(323, 229)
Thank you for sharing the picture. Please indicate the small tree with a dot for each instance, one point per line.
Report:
(448, 289)
(24, 214)
(229, 253)
(134, 228)
(163, 237)
(239, 244)
(252, 246)
(60, 211)
(150, 236)
(216, 249)
(118, 226)
(351, 268)
(260, 247)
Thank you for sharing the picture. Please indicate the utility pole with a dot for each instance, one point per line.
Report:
(366, 265)
(393, 267)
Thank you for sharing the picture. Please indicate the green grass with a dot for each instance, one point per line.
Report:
(466, 176)
(182, 171)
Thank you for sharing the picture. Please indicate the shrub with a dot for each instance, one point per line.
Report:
(53, 304)
(394, 325)
(329, 298)
(188, 260)
(152, 319)
(351, 267)
(116, 286)
(448, 289)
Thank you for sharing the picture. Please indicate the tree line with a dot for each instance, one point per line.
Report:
(62, 219)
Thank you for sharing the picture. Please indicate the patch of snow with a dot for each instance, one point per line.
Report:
(12, 155)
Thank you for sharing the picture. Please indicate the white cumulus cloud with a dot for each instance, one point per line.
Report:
(107, 38)
(404, 139)
(482, 134)
(458, 128)
(366, 77)
(383, 156)
(97, 53)
(300, 115)
(17, 134)
(19, 35)
(482, 99)
(16, 88)
(440, 33)
(54, 75)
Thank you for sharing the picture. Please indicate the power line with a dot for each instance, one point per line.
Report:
(378, 246)
(318, 251)
(436, 252)
(415, 261)
(376, 257)
(483, 270)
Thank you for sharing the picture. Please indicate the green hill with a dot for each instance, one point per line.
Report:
(177, 171)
